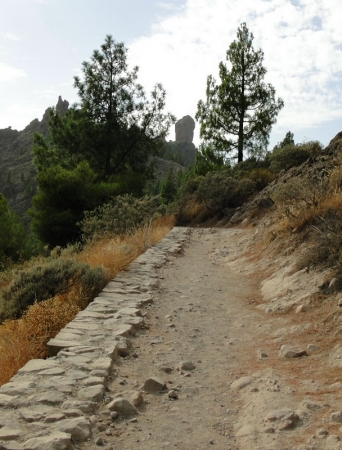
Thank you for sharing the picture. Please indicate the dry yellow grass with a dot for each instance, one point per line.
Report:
(26, 338)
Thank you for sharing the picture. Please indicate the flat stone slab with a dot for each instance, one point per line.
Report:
(55, 441)
(8, 433)
(17, 387)
(241, 383)
(92, 393)
(55, 345)
(122, 329)
(36, 365)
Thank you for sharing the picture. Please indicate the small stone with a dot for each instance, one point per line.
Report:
(301, 309)
(310, 405)
(92, 393)
(99, 441)
(269, 430)
(339, 303)
(241, 383)
(57, 440)
(153, 385)
(321, 432)
(122, 407)
(312, 348)
(108, 432)
(261, 354)
(186, 365)
(288, 352)
(336, 416)
(114, 415)
(246, 430)
(134, 420)
(78, 428)
(172, 394)
(286, 425)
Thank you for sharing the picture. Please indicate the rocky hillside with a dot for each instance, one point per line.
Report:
(17, 172)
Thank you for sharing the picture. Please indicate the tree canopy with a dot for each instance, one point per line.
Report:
(100, 147)
(239, 112)
(115, 126)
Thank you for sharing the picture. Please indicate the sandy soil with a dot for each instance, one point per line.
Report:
(207, 311)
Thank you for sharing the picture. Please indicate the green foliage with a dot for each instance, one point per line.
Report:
(288, 140)
(44, 280)
(12, 235)
(61, 200)
(284, 158)
(122, 215)
(238, 113)
(168, 187)
(220, 192)
(115, 127)
(262, 177)
(208, 160)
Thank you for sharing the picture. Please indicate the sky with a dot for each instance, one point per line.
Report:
(177, 43)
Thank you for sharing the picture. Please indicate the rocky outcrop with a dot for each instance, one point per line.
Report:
(182, 150)
(185, 129)
(17, 172)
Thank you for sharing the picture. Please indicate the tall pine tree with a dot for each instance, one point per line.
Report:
(238, 113)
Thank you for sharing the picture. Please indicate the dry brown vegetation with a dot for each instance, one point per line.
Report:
(25, 338)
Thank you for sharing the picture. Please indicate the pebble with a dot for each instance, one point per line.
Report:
(336, 416)
(289, 352)
(241, 383)
(172, 394)
(186, 365)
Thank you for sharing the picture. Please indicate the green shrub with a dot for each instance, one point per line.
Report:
(12, 235)
(283, 158)
(261, 177)
(286, 157)
(44, 280)
(123, 214)
(218, 191)
(62, 197)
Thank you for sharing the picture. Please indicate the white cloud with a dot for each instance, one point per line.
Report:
(165, 5)
(8, 73)
(301, 41)
(12, 37)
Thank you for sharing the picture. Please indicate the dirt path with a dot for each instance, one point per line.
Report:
(204, 312)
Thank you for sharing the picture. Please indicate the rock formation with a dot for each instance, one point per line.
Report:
(185, 129)
(17, 172)
(182, 150)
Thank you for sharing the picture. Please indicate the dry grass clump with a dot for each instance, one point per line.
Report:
(24, 339)
(313, 210)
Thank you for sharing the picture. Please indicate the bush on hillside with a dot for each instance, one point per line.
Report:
(61, 200)
(122, 215)
(44, 280)
(12, 235)
(283, 158)
(218, 192)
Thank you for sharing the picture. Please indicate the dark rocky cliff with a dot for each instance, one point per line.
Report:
(17, 172)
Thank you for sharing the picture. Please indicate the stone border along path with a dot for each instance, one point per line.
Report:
(47, 404)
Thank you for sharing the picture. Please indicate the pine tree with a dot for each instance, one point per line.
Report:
(238, 113)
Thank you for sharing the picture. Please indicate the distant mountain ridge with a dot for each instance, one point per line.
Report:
(17, 172)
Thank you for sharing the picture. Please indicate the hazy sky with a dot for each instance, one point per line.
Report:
(178, 43)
